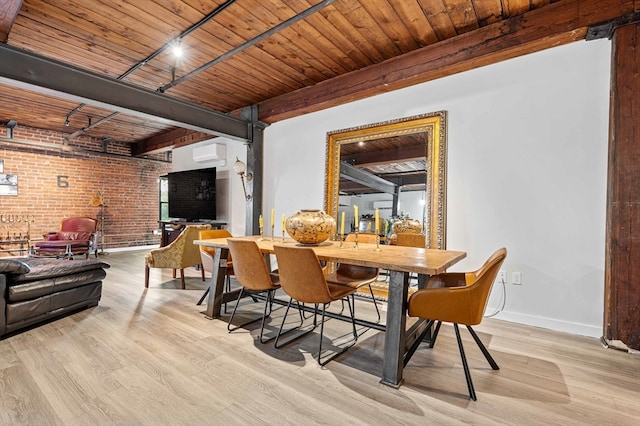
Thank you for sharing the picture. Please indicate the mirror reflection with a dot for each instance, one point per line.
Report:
(396, 167)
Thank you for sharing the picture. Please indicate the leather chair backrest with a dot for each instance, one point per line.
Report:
(79, 224)
(457, 302)
(365, 238)
(249, 266)
(411, 240)
(358, 272)
(211, 234)
(301, 275)
(481, 288)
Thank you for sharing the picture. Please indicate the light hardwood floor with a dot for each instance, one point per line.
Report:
(150, 357)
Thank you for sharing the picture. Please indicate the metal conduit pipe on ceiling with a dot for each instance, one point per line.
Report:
(143, 62)
(215, 61)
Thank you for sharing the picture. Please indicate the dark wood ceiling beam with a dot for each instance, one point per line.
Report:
(370, 158)
(167, 141)
(553, 25)
(8, 11)
(26, 70)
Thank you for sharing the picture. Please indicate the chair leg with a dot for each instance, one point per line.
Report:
(227, 288)
(375, 304)
(435, 335)
(353, 317)
(418, 341)
(284, 318)
(234, 312)
(265, 314)
(268, 305)
(146, 276)
(373, 298)
(182, 278)
(204, 296)
(484, 350)
(467, 373)
(202, 272)
(343, 349)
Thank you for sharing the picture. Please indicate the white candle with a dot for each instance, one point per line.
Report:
(377, 221)
(342, 225)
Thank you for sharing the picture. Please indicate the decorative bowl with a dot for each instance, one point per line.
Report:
(407, 226)
(310, 227)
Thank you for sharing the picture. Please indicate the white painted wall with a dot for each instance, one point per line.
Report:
(231, 207)
(527, 158)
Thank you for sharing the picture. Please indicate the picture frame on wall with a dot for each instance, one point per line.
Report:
(8, 184)
(1, 166)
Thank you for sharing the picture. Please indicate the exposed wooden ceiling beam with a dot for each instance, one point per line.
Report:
(167, 141)
(26, 70)
(553, 25)
(370, 158)
(8, 11)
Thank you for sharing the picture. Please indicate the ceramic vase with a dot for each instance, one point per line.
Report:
(310, 226)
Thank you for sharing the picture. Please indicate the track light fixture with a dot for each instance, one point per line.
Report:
(177, 49)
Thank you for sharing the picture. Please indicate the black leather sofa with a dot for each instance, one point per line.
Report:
(35, 290)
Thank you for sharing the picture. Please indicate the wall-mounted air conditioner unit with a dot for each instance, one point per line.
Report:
(383, 204)
(208, 153)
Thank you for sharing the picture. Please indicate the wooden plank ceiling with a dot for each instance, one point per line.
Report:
(346, 50)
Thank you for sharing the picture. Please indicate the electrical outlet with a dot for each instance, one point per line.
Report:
(516, 278)
(502, 276)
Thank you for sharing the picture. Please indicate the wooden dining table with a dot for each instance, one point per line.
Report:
(398, 260)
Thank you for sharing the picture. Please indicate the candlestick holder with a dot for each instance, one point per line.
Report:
(273, 228)
(341, 236)
(261, 234)
(356, 239)
(377, 242)
(283, 235)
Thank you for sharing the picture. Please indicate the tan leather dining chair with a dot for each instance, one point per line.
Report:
(408, 239)
(356, 276)
(180, 254)
(253, 275)
(302, 278)
(411, 240)
(207, 254)
(459, 298)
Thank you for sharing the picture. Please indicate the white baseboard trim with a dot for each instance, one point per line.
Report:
(119, 249)
(551, 324)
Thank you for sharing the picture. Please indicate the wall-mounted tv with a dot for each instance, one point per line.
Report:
(192, 194)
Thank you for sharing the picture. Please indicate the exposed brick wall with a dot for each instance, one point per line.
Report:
(129, 185)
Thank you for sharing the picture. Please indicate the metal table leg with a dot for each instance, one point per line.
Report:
(394, 338)
(216, 285)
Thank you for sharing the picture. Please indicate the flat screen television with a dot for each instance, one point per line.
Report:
(192, 194)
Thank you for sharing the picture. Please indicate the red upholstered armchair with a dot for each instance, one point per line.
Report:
(77, 235)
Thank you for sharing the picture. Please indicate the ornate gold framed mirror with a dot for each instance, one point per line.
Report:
(408, 153)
